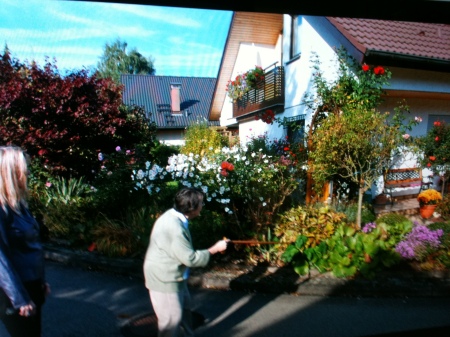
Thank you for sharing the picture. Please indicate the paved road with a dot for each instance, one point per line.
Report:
(94, 304)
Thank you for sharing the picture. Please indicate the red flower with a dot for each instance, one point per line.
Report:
(437, 123)
(224, 173)
(92, 247)
(432, 158)
(41, 152)
(286, 149)
(436, 139)
(365, 67)
(429, 164)
(226, 166)
(378, 70)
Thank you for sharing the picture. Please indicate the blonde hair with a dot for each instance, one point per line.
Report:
(13, 177)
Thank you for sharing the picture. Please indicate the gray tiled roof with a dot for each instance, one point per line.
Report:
(153, 94)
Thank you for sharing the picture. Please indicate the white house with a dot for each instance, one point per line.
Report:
(417, 54)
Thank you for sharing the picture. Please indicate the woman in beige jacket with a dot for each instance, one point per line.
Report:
(169, 256)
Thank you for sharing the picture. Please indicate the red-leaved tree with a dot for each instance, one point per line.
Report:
(66, 120)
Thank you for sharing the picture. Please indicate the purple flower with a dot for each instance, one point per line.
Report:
(418, 241)
(118, 148)
(368, 227)
(100, 156)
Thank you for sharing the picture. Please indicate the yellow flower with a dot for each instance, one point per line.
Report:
(429, 197)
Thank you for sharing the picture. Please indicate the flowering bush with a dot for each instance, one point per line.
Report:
(250, 183)
(418, 242)
(429, 197)
(435, 146)
(244, 83)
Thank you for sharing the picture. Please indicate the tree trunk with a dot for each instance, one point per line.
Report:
(358, 214)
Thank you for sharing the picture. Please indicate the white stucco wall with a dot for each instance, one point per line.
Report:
(171, 137)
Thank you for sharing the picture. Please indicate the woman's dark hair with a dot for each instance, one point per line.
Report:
(188, 199)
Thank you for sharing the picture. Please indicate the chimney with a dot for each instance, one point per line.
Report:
(175, 97)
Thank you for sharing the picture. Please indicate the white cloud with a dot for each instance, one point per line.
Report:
(173, 16)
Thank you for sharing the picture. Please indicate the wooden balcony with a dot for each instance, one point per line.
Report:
(269, 94)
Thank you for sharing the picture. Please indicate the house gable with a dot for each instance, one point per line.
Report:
(245, 27)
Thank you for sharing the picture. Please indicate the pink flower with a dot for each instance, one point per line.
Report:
(406, 136)
(48, 184)
(118, 148)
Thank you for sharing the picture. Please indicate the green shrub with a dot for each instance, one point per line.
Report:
(443, 253)
(66, 209)
(397, 224)
(202, 140)
(443, 207)
(316, 223)
(351, 209)
(161, 153)
(349, 251)
(208, 228)
(127, 238)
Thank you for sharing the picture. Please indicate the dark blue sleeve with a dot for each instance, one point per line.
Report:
(9, 279)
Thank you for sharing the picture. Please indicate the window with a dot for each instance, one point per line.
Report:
(295, 128)
(295, 36)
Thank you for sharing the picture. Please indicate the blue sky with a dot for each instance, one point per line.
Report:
(182, 41)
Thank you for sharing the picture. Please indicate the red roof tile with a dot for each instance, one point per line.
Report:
(428, 40)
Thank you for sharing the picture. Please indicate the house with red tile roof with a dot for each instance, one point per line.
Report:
(417, 54)
(171, 102)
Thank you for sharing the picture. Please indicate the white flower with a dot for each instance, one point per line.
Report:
(264, 204)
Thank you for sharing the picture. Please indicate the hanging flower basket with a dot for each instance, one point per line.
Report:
(245, 82)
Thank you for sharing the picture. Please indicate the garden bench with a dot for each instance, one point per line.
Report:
(404, 178)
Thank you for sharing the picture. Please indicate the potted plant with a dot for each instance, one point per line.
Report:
(428, 201)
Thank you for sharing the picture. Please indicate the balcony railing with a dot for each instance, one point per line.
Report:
(269, 94)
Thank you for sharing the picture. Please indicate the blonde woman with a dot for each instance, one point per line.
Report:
(22, 285)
